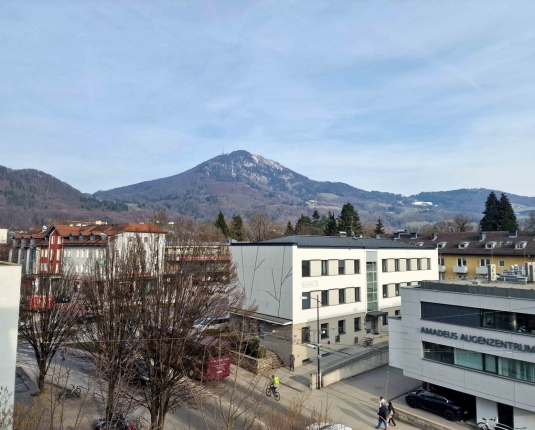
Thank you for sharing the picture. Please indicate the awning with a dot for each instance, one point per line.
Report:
(376, 313)
(263, 317)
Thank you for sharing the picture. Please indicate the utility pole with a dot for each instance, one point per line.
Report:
(319, 352)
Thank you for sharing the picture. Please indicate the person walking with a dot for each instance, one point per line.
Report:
(292, 362)
(382, 401)
(383, 417)
(391, 414)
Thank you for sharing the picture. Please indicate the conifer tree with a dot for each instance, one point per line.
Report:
(507, 214)
(236, 228)
(289, 229)
(349, 220)
(331, 227)
(221, 224)
(379, 227)
(302, 226)
(491, 214)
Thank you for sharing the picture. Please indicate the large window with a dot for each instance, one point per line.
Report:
(507, 367)
(305, 268)
(305, 301)
(356, 264)
(461, 262)
(325, 331)
(324, 267)
(408, 264)
(357, 294)
(342, 327)
(371, 285)
(397, 290)
(385, 291)
(396, 264)
(385, 265)
(341, 267)
(356, 324)
(325, 298)
(449, 314)
(341, 296)
(484, 262)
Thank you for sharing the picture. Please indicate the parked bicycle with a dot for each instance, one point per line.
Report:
(118, 422)
(493, 424)
(74, 391)
(271, 389)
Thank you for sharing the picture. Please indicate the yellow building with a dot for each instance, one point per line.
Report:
(468, 254)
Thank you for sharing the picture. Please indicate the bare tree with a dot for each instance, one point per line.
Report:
(46, 323)
(462, 224)
(529, 223)
(258, 227)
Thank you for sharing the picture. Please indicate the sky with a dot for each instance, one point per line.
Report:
(397, 96)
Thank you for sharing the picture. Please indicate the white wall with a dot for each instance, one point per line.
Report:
(485, 409)
(10, 276)
(3, 235)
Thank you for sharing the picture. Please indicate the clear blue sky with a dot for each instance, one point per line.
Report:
(400, 96)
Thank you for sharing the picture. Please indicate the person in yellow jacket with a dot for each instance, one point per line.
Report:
(274, 383)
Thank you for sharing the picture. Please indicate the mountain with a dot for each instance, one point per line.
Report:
(244, 183)
(30, 197)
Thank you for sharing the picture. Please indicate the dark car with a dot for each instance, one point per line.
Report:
(436, 403)
(141, 373)
(62, 298)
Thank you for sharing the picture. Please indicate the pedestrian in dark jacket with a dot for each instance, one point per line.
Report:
(392, 412)
(383, 417)
(292, 362)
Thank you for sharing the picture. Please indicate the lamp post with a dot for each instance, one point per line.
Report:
(318, 303)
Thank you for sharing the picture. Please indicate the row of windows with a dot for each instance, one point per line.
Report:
(479, 318)
(329, 267)
(325, 333)
(345, 295)
(483, 262)
(405, 264)
(508, 367)
(392, 290)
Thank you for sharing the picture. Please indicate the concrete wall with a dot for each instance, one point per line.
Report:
(10, 278)
(366, 363)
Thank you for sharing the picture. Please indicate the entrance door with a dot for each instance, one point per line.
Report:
(371, 324)
(506, 415)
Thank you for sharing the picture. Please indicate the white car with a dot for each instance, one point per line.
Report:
(327, 426)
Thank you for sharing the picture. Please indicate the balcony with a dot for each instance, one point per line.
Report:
(441, 269)
(463, 270)
(481, 270)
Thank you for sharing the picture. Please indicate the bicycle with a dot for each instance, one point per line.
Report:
(75, 391)
(272, 389)
(493, 424)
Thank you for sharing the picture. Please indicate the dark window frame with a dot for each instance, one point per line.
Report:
(305, 268)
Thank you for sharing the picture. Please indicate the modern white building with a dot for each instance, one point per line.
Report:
(10, 276)
(472, 337)
(355, 283)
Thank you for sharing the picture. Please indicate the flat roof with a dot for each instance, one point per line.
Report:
(486, 288)
(263, 317)
(336, 242)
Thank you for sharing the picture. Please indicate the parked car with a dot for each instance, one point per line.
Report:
(436, 403)
(141, 373)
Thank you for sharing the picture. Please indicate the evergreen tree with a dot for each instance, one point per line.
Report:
(491, 214)
(507, 214)
(331, 227)
(221, 224)
(236, 228)
(315, 217)
(379, 227)
(302, 226)
(349, 220)
(289, 229)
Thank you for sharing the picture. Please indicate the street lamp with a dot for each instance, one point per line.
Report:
(318, 303)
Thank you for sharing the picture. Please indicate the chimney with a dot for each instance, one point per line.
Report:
(414, 235)
(512, 233)
(482, 236)
(434, 236)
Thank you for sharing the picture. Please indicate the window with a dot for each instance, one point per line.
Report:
(385, 265)
(324, 267)
(357, 294)
(385, 291)
(305, 302)
(396, 264)
(305, 268)
(341, 267)
(325, 298)
(77, 253)
(418, 264)
(58, 254)
(428, 264)
(341, 296)
(52, 239)
(385, 319)
(461, 262)
(436, 352)
(325, 331)
(59, 240)
(397, 290)
(356, 324)
(342, 327)
(305, 334)
(483, 262)
(501, 263)
(441, 261)
(45, 253)
(408, 264)
(356, 263)
(397, 313)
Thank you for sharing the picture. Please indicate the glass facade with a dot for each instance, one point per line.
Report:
(479, 318)
(371, 285)
(502, 366)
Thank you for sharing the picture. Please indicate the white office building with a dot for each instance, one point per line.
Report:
(10, 276)
(355, 283)
(477, 339)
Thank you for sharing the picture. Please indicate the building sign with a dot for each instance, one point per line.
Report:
(309, 284)
(480, 340)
